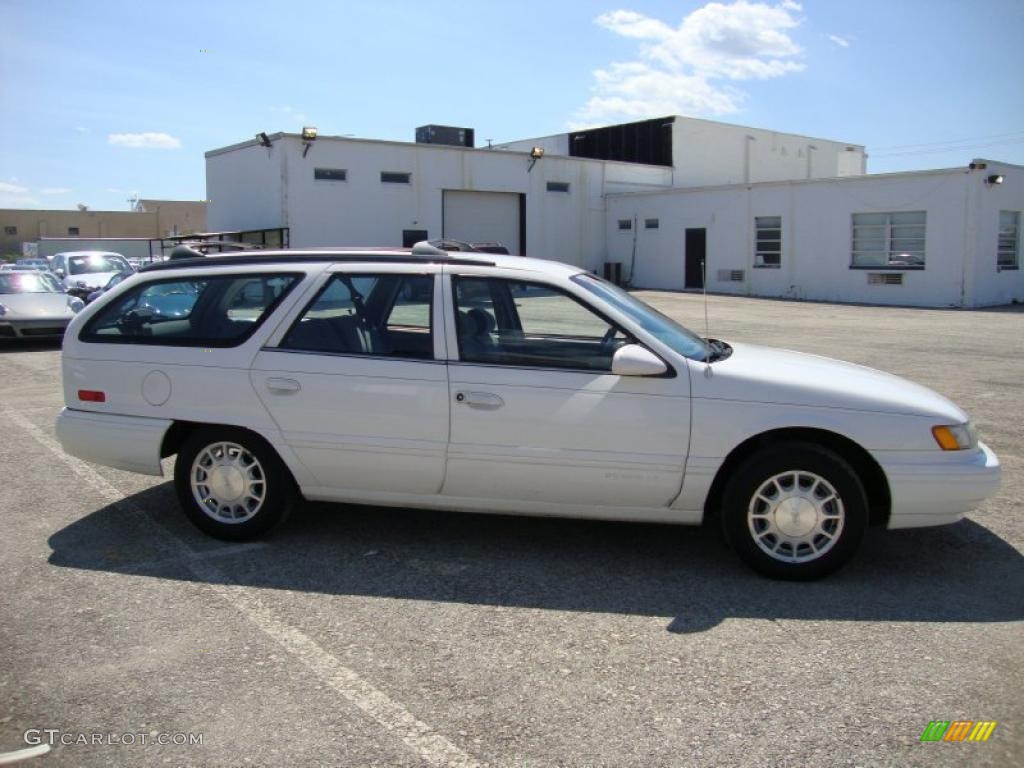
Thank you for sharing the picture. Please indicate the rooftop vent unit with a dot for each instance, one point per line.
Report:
(445, 134)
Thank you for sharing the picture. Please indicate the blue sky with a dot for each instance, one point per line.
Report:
(104, 99)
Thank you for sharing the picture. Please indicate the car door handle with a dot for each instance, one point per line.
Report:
(483, 400)
(283, 385)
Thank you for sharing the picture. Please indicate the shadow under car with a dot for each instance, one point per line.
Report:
(684, 574)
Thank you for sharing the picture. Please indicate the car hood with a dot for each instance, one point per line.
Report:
(753, 373)
(91, 279)
(35, 304)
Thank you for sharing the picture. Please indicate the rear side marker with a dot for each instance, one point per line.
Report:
(92, 396)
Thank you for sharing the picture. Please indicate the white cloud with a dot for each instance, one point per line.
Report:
(842, 42)
(15, 196)
(144, 140)
(54, 190)
(687, 69)
(81, 129)
(298, 117)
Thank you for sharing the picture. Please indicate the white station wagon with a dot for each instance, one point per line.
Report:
(499, 384)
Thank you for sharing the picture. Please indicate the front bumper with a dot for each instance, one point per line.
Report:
(35, 328)
(131, 443)
(937, 488)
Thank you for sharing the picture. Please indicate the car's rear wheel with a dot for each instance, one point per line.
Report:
(795, 511)
(231, 483)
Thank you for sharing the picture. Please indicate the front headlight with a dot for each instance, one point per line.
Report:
(75, 304)
(956, 437)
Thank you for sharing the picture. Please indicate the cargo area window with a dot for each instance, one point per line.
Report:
(385, 315)
(204, 311)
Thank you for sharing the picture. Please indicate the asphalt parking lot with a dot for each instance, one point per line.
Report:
(359, 636)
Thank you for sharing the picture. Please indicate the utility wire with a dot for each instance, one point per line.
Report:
(952, 148)
(952, 141)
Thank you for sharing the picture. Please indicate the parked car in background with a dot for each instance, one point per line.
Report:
(82, 272)
(40, 264)
(498, 384)
(120, 276)
(34, 305)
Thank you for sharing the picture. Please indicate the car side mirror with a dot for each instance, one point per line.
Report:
(59, 273)
(634, 360)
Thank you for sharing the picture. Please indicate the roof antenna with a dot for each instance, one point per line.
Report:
(708, 373)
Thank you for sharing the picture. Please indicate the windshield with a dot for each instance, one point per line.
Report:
(96, 263)
(24, 282)
(662, 327)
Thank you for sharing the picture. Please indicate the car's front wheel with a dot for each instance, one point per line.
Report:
(795, 511)
(231, 483)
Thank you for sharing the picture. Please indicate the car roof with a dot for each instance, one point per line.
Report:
(371, 254)
(88, 253)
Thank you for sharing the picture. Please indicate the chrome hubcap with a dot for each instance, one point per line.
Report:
(228, 482)
(796, 516)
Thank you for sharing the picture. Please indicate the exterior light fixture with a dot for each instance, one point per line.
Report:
(995, 178)
(263, 139)
(535, 154)
(308, 137)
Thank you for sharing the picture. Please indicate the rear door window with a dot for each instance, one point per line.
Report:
(205, 311)
(386, 315)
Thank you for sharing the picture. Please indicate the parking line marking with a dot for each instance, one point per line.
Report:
(430, 745)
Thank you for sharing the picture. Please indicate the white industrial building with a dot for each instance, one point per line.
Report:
(676, 201)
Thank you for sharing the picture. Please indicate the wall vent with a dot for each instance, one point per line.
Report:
(885, 278)
(730, 275)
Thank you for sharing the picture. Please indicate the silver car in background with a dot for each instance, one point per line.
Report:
(33, 304)
(87, 271)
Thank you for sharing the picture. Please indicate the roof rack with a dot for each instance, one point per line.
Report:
(427, 254)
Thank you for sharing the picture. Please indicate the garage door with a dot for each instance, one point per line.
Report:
(482, 217)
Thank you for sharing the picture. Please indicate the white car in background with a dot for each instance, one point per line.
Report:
(33, 305)
(499, 384)
(87, 271)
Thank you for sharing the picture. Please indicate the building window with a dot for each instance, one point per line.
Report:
(768, 241)
(10, 230)
(1009, 240)
(558, 186)
(395, 177)
(651, 223)
(330, 174)
(625, 223)
(72, 231)
(892, 240)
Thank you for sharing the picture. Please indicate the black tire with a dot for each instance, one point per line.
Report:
(278, 489)
(746, 520)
